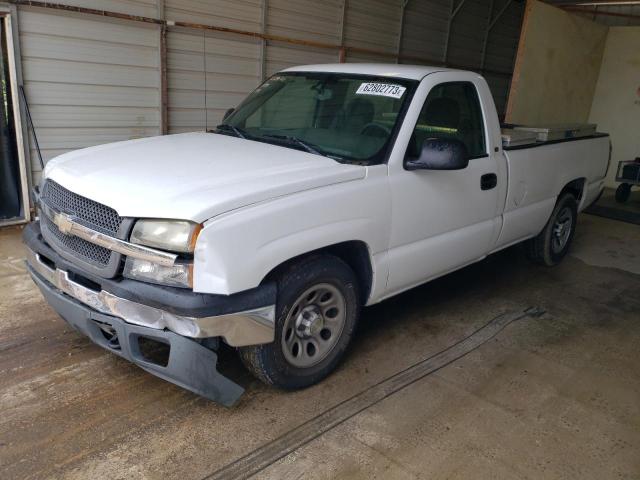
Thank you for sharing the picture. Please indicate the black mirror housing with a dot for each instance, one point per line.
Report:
(440, 154)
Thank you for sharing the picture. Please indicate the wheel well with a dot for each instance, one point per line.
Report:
(575, 188)
(354, 253)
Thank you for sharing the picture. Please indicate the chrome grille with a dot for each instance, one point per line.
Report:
(93, 214)
(78, 246)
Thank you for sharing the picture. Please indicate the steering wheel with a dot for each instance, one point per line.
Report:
(372, 126)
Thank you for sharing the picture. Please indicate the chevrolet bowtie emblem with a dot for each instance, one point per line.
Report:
(64, 223)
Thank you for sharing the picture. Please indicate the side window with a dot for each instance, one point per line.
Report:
(452, 110)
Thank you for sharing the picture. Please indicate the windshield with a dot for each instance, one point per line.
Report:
(351, 118)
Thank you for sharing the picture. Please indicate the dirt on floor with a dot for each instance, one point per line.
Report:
(551, 397)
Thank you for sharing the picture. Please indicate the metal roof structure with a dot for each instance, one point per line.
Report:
(617, 13)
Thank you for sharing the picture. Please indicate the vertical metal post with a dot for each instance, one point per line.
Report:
(483, 57)
(164, 82)
(445, 51)
(342, 53)
(403, 9)
(164, 85)
(263, 42)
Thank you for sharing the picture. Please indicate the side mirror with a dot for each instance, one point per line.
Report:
(227, 113)
(440, 154)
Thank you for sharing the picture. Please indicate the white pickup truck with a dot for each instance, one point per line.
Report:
(331, 187)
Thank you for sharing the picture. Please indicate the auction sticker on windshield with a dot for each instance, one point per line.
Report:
(382, 89)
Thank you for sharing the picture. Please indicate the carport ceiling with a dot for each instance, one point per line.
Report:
(609, 12)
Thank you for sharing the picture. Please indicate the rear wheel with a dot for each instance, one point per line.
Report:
(623, 192)
(552, 244)
(316, 314)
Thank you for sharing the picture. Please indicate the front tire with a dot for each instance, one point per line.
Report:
(552, 244)
(316, 314)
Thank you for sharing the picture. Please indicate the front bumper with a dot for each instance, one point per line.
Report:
(190, 365)
(242, 319)
(118, 314)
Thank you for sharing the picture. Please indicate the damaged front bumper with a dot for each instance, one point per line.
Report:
(100, 309)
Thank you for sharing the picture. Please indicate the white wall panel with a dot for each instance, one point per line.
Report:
(142, 8)
(88, 80)
(373, 24)
(240, 14)
(305, 19)
(196, 98)
(281, 56)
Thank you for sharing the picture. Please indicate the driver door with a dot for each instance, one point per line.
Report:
(444, 219)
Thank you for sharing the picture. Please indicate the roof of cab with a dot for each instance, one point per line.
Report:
(392, 70)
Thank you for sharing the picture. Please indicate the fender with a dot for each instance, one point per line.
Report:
(236, 250)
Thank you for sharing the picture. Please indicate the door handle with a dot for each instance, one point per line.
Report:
(488, 181)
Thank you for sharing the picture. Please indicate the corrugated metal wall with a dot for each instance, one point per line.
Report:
(88, 80)
(91, 79)
(303, 19)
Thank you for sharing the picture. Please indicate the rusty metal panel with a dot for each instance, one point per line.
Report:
(224, 13)
(143, 8)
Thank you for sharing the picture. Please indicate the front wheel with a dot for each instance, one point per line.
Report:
(552, 244)
(316, 313)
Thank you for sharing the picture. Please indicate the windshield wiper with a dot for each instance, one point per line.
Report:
(225, 127)
(295, 140)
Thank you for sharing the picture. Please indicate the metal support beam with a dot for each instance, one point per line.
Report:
(403, 9)
(491, 22)
(590, 11)
(452, 16)
(500, 13)
(483, 57)
(343, 18)
(164, 82)
(263, 42)
(164, 85)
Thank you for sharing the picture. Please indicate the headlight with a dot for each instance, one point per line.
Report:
(178, 275)
(173, 235)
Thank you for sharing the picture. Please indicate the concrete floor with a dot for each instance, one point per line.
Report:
(550, 397)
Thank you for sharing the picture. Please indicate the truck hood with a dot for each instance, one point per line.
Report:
(192, 176)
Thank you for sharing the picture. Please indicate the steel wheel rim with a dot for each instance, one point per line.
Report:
(561, 229)
(313, 325)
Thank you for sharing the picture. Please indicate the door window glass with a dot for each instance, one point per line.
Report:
(452, 111)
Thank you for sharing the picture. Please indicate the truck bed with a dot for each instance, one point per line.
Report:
(538, 171)
(538, 143)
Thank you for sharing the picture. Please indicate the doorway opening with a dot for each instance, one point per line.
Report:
(14, 199)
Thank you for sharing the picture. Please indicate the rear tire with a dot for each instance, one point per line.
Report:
(552, 244)
(316, 314)
(623, 192)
